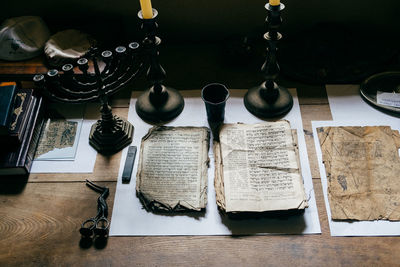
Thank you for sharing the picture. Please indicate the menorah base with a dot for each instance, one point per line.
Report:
(110, 141)
(264, 107)
(166, 111)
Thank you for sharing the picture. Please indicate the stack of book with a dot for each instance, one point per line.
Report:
(21, 120)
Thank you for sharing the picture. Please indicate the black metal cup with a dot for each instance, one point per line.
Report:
(214, 96)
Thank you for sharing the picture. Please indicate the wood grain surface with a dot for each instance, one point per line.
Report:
(40, 219)
(40, 222)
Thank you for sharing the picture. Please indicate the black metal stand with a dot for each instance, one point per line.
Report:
(75, 84)
(78, 84)
(158, 104)
(110, 134)
(269, 99)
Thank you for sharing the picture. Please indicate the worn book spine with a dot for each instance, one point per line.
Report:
(19, 161)
(7, 93)
(35, 136)
(22, 111)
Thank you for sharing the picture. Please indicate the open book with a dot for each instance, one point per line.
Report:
(172, 171)
(257, 169)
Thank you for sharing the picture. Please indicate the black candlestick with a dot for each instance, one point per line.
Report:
(158, 104)
(270, 99)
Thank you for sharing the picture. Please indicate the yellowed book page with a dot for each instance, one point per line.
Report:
(172, 171)
(261, 170)
(362, 167)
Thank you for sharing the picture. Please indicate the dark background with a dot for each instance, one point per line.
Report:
(208, 20)
(324, 41)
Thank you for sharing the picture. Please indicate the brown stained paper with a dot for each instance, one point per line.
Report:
(218, 177)
(57, 134)
(257, 168)
(172, 171)
(362, 168)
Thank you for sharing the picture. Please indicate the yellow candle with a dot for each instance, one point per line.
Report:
(271, 2)
(147, 10)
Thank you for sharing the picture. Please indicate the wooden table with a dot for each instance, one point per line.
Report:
(40, 219)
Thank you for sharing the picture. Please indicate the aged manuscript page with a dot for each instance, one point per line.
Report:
(172, 171)
(362, 167)
(57, 134)
(258, 169)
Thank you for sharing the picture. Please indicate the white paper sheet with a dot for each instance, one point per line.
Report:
(355, 228)
(346, 104)
(129, 217)
(85, 156)
(349, 109)
(388, 99)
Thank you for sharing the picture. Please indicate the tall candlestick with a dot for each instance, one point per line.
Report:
(274, 2)
(160, 103)
(270, 100)
(147, 10)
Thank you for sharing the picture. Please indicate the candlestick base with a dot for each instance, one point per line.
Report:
(160, 107)
(272, 104)
(110, 140)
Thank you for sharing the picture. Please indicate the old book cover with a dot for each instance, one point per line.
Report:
(19, 160)
(22, 110)
(172, 170)
(7, 93)
(362, 168)
(257, 169)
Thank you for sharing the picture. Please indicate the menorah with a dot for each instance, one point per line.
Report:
(76, 84)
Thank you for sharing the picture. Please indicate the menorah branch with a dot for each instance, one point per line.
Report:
(111, 133)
